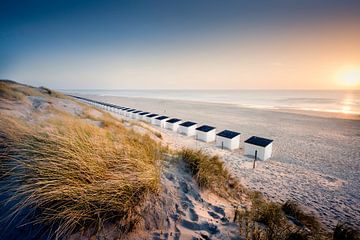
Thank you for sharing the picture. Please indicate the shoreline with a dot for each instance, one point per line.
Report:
(324, 178)
(311, 113)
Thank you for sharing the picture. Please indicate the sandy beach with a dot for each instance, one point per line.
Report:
(315, 160)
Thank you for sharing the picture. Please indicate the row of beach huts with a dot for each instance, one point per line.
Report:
(258, 147)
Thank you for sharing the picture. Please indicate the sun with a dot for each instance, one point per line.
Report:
(349, 76)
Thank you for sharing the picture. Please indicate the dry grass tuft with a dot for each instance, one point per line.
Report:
(293, 210)
(344, 232)
(158, 134)
(52, 93)
(267, 220)
(210, 172)
(14, 91)
(73, 174)
(7, 92)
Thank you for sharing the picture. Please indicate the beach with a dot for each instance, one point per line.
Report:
(315, 159)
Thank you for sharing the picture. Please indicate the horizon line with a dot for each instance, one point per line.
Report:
(206, 89)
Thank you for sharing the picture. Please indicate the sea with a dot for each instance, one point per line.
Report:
(335, 101)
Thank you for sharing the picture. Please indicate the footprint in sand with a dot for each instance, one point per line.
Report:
(193, 215)
(205, 226)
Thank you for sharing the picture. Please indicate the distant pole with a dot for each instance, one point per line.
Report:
(222, 145)
(255, 159)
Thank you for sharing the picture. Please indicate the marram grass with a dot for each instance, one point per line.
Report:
(210, 173)
(74, 174)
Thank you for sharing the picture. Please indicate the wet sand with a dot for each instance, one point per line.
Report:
(316, 160)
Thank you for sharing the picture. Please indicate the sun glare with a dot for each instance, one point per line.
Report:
(349, 76)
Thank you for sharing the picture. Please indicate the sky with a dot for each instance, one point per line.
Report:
(166, 44)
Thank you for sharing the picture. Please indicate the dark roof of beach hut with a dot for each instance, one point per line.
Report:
(152, 115)
(228, 134)
(187, 124)
(205, 128)
(173, 120)
(162, 117)
(144, 113)
(137, 111)
(259, 141)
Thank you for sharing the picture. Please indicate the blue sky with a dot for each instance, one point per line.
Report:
(178, 44)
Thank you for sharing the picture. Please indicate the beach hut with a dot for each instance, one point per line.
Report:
(115, 108)
(228, 139)
(119, 110)
(139, 116)
(123, 111)
(142, 116)
(130, 113)
(112, 107)
(206, 133)
(160, 121)
(135, 114)
(151, 117)
(262, 147)
(187, 128)
(172, 124)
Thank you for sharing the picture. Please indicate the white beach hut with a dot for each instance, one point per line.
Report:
(151, 117)
(142, 116)
(160, 121)
(118, 110)
(128, 112)
(138, 115)
(261, 147)
(206, 133)
(228, 139)
(135, 114)
(187, 128)
(172, 124)
(123, 111)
